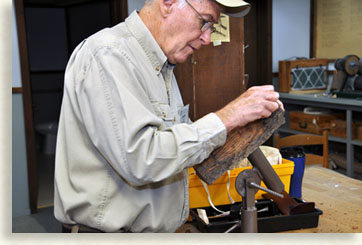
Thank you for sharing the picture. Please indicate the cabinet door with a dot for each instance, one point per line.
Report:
(214, 75)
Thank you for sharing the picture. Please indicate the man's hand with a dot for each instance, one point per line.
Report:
(256, 103)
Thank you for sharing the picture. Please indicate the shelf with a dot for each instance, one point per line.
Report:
(320, 100)
(349, 106)
(330, 137)
(357, 142)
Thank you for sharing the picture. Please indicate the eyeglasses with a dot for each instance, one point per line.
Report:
(205, 23)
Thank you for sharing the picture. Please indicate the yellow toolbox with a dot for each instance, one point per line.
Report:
(218, 190)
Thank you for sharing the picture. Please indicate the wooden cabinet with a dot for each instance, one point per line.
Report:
(214, 75)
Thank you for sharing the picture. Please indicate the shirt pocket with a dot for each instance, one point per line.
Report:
(165, 112)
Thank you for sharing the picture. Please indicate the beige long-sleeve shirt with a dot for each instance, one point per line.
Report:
(124, 140)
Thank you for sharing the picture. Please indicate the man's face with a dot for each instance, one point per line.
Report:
(185, 35)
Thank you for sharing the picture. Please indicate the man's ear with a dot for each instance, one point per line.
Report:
(166, 6)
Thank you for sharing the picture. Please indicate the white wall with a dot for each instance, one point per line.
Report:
(135, 4)
(291, 30)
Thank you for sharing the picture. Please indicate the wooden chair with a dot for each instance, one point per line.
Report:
(304, 140)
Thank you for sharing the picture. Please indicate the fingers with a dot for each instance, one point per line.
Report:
(263, 87)
(273, 102)
(265, 92)
(280, 105)
(272, 96)
(256, 103)
(274, 105)
(270, 108)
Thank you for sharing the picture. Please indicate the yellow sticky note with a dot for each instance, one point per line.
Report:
(222, 33)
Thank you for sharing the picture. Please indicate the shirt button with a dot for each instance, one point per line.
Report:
(158, 68)
(163, 114)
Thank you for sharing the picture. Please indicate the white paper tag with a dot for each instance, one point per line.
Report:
(183, 114)
(217, 43)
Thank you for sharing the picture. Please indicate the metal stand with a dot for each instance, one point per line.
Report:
(247, 184)
(249, 221)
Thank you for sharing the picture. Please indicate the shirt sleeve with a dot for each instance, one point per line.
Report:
(125, 130)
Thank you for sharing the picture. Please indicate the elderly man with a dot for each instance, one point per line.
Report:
(125, 141)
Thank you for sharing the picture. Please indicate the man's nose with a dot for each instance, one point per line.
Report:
(205, 37)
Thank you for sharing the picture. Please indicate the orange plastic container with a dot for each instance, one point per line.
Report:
(218, 190)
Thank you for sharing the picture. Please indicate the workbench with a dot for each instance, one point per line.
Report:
(338, 196)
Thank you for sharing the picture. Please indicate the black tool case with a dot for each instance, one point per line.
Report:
(269, 218)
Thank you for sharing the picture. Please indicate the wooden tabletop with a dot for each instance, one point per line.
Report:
(338, 196)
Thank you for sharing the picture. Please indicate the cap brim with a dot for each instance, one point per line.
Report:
(237, 12)
(235, 8)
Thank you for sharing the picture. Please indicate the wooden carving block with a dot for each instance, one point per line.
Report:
(240, 143)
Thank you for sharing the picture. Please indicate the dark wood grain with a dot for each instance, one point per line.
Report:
(240, 143)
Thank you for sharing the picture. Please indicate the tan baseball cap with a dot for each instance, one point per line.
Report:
(235, 8)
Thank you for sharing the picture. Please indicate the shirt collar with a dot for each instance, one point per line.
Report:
(147, 41)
